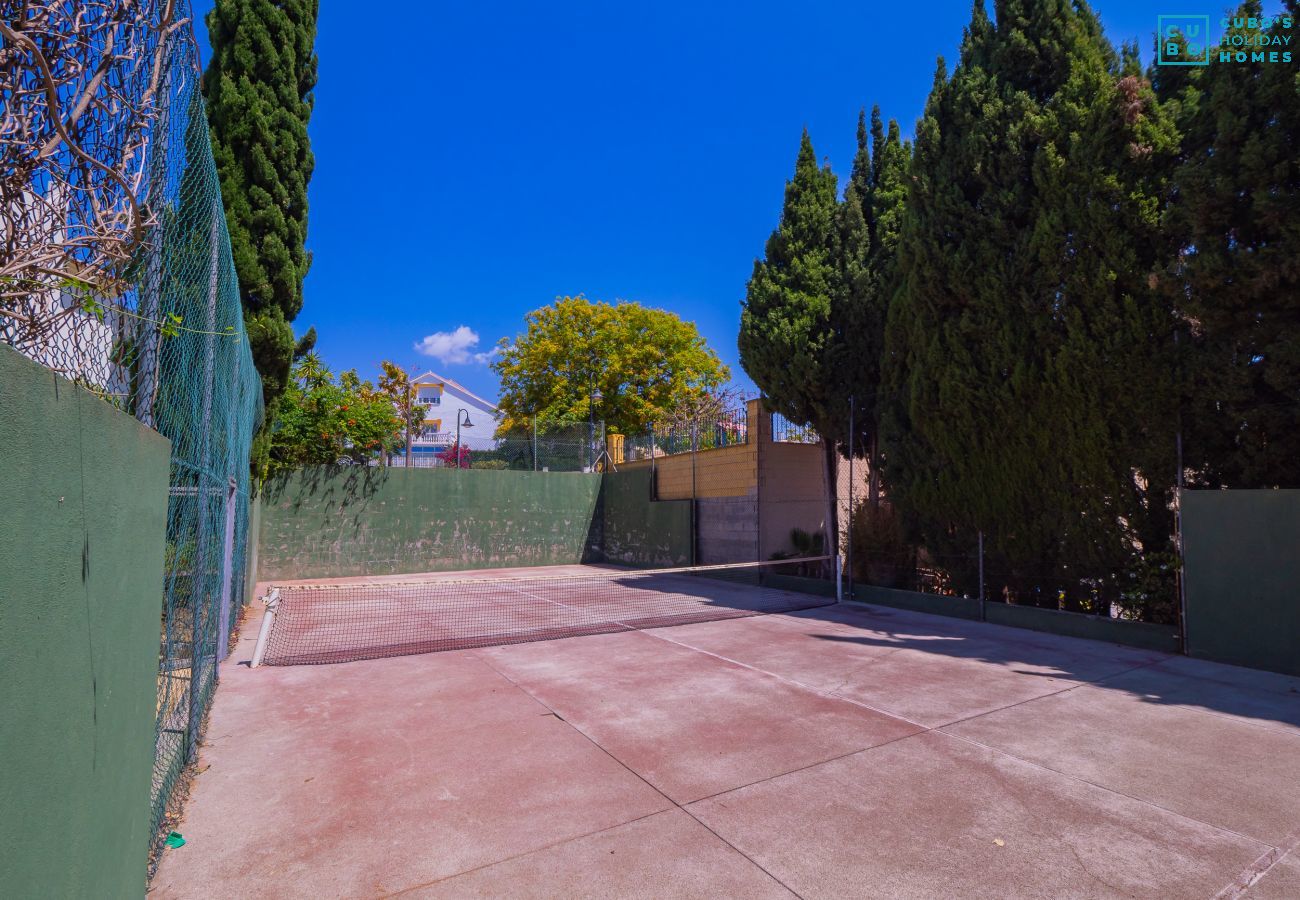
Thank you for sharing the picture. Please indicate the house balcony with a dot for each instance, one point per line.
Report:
(429, 438)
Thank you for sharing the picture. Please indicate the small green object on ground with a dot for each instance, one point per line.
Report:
(175, 840)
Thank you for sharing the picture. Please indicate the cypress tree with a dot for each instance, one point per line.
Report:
(813, 324)
(890, 158)
(791, 320)
(857, 328)
(258, 90)
(873, 202)
(1024, 354)
(787, 336)
(1235, 194)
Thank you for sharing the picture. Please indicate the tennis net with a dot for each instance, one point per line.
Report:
(330, 623)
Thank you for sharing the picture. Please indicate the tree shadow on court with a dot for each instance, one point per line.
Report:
(1148, 675)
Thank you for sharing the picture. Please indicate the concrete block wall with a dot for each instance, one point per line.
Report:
(728, 529)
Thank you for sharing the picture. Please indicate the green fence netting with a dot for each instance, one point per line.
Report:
(116, 272)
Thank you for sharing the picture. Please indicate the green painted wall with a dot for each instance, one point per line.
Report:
(83, 489)
(819, 587)
(936, 604)
(1163, 638)
(639, 531)
(336, 522)
(1241, 550)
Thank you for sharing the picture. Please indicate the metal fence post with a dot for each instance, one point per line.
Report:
(654, 473)
(201, 587)
(227, 574)
(848, 528)
(754, 431)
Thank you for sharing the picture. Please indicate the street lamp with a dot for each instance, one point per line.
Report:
(468, 424)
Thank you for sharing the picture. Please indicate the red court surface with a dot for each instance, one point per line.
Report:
(847, 751)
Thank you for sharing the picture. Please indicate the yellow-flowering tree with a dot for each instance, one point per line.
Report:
(622, 363)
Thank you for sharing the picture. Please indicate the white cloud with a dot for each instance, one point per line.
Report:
(454, 347)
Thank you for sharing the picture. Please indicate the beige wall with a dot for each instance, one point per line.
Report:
(791, 494)
(722, 472)
(786, 479)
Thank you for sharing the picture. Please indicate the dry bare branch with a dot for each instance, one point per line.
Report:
(79, 81)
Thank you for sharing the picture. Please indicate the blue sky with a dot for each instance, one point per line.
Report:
(473, 161)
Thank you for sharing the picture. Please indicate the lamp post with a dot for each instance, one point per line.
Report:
(468, 424)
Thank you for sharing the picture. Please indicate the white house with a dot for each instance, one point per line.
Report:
(53, 327)
(444, 400)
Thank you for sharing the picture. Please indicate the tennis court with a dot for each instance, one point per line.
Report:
(827, 751)
(344, 621)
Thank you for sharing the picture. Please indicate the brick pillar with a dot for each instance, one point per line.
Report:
(760, 421)
(760, 432)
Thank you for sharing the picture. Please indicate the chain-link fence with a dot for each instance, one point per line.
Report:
(885, 552)
(573, 448)
(710, 431)
(883, 544)
(576, 448)
(762, 487)
(117, 274)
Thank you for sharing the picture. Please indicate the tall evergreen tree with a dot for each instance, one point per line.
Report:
(1027, 352)
(1236, 191)
(786, 331)
(258, 88)
(890, 161)
(792, 321)
(856, 292)
(873, 203)
(813, 324)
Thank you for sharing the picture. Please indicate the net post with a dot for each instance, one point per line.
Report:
(695, 522)
(848, 525)
(839, 579)
(264, 634)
